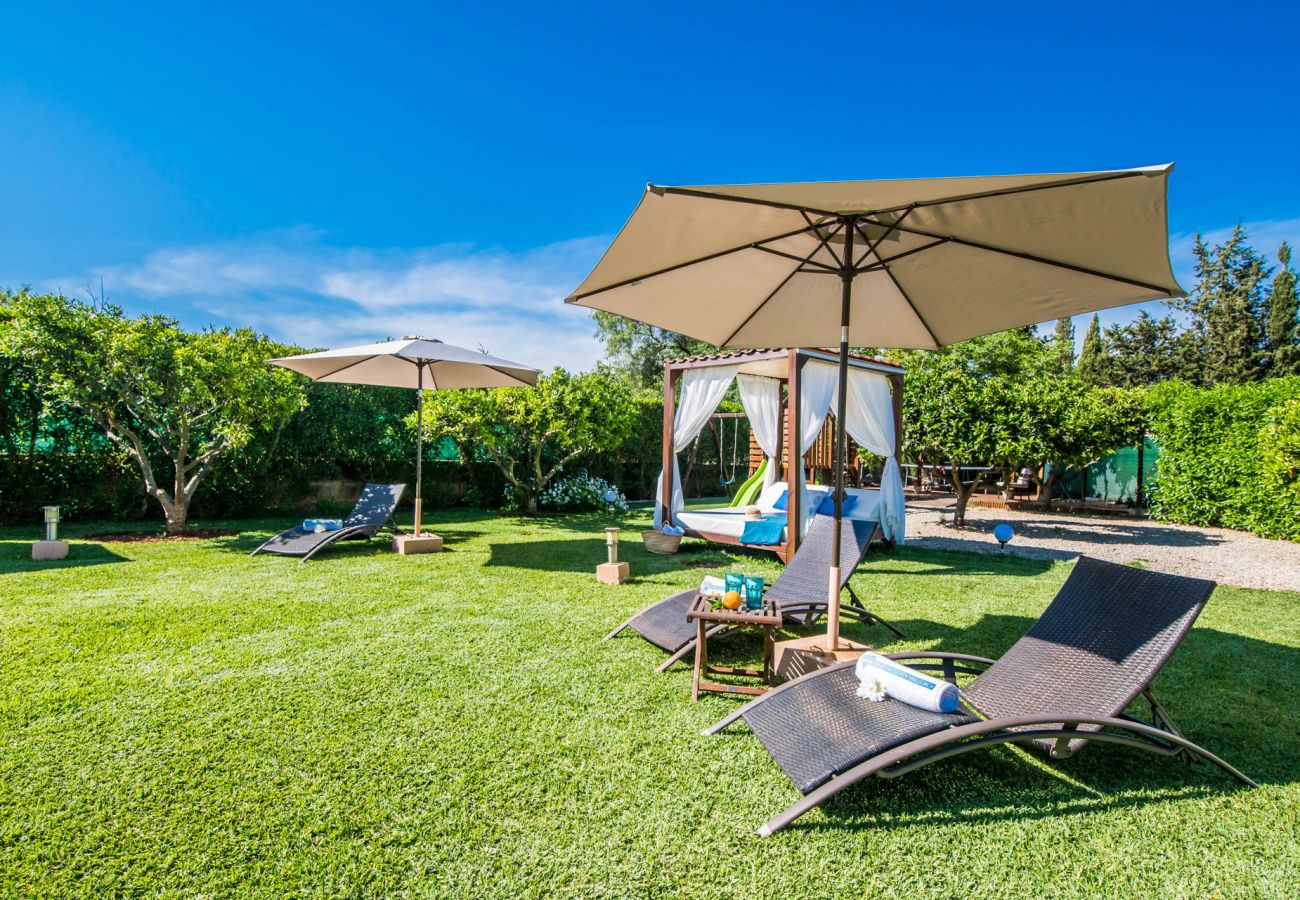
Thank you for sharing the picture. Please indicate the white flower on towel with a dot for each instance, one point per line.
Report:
(872, 690)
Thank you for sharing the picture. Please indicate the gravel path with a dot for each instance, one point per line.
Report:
(1229, 557)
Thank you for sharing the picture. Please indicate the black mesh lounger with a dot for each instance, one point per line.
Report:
(1068, 681)
(799, 591)
(372, 514)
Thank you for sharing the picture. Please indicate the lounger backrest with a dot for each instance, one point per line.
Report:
(1098, 644)
(804, 579)
(375, 505)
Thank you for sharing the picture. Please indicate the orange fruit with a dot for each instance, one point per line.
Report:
(731, 600)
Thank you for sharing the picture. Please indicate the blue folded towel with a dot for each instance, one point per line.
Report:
(324, 524)
(765, 532)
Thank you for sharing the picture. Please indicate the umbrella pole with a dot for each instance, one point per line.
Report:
(419, 441)
(846, 294)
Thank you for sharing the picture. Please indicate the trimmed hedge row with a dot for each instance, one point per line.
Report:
(1219, 452)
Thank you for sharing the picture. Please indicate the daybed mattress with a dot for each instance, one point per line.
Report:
(730, 520)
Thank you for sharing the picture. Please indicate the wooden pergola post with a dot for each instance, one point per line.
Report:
(794, 461)
(666, 495)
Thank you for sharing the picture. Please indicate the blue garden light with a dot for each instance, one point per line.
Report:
(1004, 533)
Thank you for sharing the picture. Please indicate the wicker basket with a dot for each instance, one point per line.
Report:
(658, 542)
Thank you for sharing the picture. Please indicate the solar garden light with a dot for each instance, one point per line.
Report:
(1004, 533)
(613, 571)
(51, 547)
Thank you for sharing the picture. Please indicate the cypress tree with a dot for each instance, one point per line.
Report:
(1283, 328)
(1063, 342)
(1092, 358)
(1227, 340)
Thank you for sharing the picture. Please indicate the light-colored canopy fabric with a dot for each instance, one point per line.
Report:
(937, 260)
(701, 392)
(869, 420)
(395, 364)
(817, 384)
(761, 398)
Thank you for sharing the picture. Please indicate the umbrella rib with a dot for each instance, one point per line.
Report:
(802, 260)
(908, 300)
(872, 245)
(522, 383)
(331, 374)
(777, 289)
(1004, 192)
(774, 204)
(754, 245)
(1019, 254)
(880, 260)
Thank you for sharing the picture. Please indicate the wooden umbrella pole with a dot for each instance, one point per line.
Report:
(846, 296)
(419, 441)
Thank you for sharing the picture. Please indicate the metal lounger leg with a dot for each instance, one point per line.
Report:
(954, 741)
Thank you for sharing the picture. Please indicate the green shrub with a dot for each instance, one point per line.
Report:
(1224, 455)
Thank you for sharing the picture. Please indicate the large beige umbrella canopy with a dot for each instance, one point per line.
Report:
(912, 263)
(417, 363)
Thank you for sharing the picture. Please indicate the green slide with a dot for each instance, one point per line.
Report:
(752, 487)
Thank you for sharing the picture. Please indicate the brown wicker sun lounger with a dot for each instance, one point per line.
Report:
(1066, 683)
(373, 513)
(799, 592)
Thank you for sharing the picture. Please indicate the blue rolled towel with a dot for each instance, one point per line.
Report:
(765, 532)
(321, 525)
(906, 685)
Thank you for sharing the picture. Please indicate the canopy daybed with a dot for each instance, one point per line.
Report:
(787, 396)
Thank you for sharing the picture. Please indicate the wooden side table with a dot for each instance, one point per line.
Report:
(705, 617)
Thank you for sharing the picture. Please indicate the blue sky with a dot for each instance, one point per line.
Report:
(334, 173)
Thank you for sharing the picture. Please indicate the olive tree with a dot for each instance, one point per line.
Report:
(172, 401)
(532, 433)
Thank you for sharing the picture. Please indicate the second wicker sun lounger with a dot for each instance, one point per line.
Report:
(373, 513)
(1065, 684)
(799, 591)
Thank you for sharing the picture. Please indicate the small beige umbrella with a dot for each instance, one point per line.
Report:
(917, 263)
(416, 363)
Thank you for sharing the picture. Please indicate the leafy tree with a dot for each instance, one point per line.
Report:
(532, 433)
(638, 351)
(1063, 342)
(955, 402)
(1143, 352)
(1283, 327)
(1226, 338)
(164, 396)
(1092, 357)
(1055, 424)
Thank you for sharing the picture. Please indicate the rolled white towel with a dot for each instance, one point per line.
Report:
(906, 685)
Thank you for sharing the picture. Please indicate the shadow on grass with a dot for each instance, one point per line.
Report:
(949, 561)
(16, 556)
(1244, 718)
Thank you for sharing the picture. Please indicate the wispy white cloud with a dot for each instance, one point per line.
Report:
(1264, 235)
(297, 287)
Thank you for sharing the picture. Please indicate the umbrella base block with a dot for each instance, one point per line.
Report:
(613, 573)
(408, 544)
(46, 551)
(804, 655)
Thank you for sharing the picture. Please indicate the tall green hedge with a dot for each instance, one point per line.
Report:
(1219, 449)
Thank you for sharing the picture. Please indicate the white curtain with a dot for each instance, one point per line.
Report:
(701, 392)
(869, 420)
(761, 398)
(817, 382)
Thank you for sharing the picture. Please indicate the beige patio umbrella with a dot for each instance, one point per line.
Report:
(912, 263)
(417, 363)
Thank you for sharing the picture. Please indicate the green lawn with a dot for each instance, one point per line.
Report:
(179, 719)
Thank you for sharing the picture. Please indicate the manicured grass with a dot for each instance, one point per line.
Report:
(178, 719)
